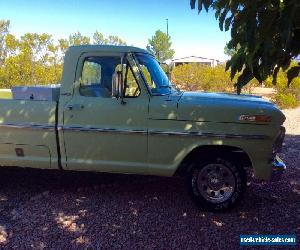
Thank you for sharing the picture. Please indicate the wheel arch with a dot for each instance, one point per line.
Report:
(240, 155)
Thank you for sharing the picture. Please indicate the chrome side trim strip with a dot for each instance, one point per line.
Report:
(27, 126)
(128, 131)
(200, 134)
(102, 130)
(161, 133)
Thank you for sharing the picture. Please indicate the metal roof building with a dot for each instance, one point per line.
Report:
(196, 59)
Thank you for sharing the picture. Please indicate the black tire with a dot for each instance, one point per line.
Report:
(216, 184)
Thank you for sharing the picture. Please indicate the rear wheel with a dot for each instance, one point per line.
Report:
(216, 184)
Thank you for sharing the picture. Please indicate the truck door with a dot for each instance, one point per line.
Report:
(101, 131)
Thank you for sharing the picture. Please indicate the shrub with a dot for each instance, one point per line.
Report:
(201, 77)
(287, 97)
(286, 100)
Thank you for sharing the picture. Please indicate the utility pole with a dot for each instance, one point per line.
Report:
(167, 27)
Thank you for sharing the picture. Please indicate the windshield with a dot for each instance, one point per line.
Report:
(156, 78)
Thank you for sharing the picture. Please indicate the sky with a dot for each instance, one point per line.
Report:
(135, 21)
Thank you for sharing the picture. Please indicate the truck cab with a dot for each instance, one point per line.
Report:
(106, 108)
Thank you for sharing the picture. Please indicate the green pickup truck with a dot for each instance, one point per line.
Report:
(116, 111)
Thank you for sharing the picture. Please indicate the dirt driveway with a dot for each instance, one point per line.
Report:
(44, 209)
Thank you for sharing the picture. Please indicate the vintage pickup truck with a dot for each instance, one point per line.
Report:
(117, 112)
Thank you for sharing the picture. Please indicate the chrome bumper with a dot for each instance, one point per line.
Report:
(278, 168)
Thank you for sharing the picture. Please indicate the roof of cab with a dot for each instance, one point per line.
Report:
(105, 48)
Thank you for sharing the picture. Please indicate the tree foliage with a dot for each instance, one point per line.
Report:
(78, 39)
(230, 52)
(99, 38)
(268, 32)
(31, 59)
(160, 46)
(36, 58)
(4, 27)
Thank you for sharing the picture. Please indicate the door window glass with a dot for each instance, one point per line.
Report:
(131, 86)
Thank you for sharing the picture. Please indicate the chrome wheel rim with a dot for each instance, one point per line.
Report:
(216, 183)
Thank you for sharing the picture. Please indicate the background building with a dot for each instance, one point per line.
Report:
(196, 59)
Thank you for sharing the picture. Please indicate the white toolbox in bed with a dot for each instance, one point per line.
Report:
(36, 93)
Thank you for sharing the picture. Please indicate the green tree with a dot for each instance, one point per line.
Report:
(160, 46)
(115, 40)
(268, 33)
(63, 45)
(35, 58)
(99, 38)
(4, 30)
(78, 39)
(32, 59)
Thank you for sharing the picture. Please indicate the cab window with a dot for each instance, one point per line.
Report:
(96, 76)
(99, 75)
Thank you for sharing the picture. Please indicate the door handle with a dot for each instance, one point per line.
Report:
(76, 106)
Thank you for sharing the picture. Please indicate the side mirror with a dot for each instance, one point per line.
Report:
(117, 84)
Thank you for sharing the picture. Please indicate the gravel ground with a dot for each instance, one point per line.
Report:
(47, 209)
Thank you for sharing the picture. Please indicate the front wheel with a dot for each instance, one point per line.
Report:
(216, 184)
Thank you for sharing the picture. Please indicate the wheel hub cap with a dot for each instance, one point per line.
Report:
(216, 182)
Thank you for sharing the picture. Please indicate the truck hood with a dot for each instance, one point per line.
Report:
(221, 107)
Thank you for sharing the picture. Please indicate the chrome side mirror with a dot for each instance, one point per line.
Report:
(117, 84)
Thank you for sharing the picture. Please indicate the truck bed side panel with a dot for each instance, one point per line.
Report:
(27, 134)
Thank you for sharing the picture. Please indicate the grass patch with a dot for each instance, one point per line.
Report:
(5, 94)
